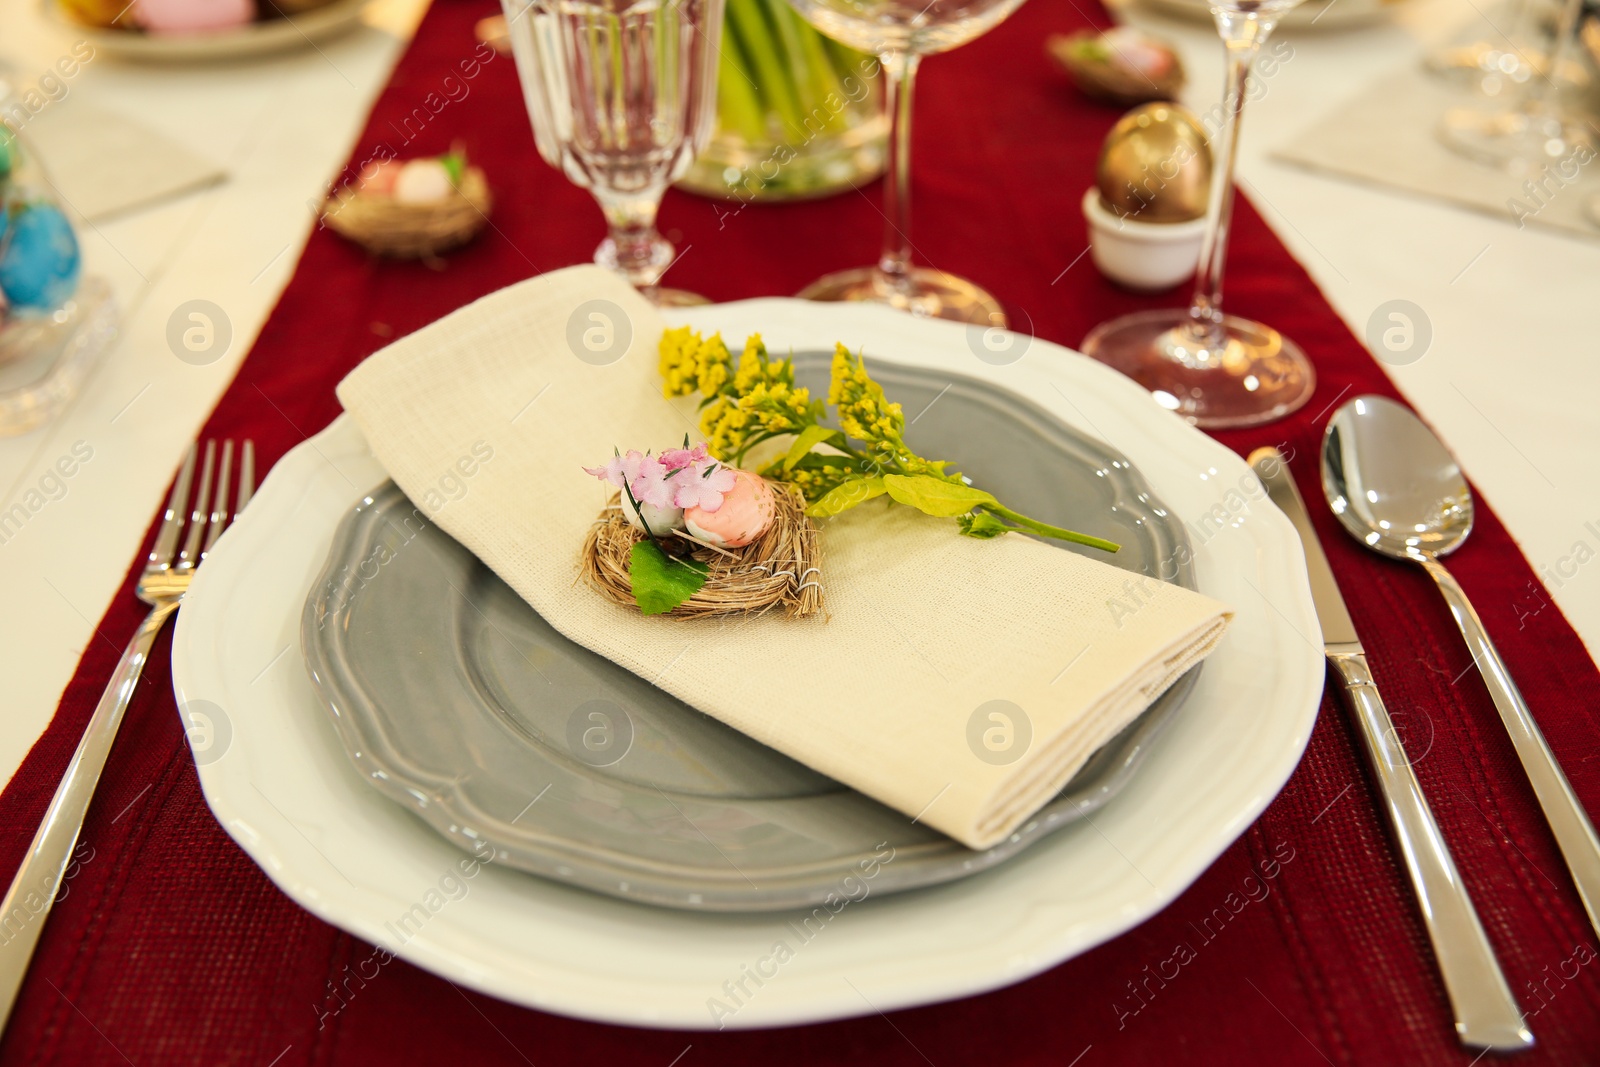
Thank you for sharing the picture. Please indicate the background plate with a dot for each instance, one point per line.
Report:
(1322, 14)
(279, 782)
(454, 698)
(268, 37)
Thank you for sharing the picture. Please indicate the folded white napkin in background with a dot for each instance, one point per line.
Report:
(104, 163)
(1386, 136)
(962, 682)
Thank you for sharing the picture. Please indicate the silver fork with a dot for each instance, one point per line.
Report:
(162, 585)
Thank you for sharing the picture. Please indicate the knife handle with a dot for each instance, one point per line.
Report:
(1486, 1013)
(1574, 833)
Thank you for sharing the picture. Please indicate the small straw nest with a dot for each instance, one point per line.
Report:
(780, 569)
(389, 227)
(1109, 82)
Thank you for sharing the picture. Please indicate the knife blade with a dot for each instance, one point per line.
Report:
(1486, 1014)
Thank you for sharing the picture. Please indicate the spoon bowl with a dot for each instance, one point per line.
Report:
(1397, 490)
(1392, 483)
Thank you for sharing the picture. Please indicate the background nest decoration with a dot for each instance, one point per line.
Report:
(405, 230)
(1123, 69)
(780, 569)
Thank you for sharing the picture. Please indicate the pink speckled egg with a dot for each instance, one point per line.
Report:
(378, 177)
(746, 512)
(177, 17)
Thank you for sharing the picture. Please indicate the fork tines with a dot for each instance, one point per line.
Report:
(207, 514)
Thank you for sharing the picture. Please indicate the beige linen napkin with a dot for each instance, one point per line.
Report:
(1387, 136)
(962, 682)
(105, 163)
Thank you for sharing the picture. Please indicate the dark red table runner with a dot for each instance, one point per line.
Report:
(171, 947)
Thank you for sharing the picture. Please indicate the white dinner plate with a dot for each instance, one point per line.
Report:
(279, 782)
(267, 37)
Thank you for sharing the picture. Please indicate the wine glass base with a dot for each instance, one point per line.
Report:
(649, 259)
(931, 294)
(1512, 140)
(1257, 376)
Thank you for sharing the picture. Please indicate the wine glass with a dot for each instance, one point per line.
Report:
(622, 94)
(1215, 370)
(1489, 61)
(900, 33)
(1535, 131)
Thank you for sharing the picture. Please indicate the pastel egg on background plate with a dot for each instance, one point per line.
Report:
(177, 17)
(39, 257)
(103, 13)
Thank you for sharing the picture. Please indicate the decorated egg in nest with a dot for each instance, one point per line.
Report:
(415, 208)
(1121, 66)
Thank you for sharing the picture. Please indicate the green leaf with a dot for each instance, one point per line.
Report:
(805, 441)
(1091, 48)
(934, 496)
(455, 165)
(661, 583)
(845, 496)
(982, 525)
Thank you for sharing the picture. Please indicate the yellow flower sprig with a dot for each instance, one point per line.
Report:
(755, 399)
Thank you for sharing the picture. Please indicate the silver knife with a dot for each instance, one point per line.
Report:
(1486, 1013)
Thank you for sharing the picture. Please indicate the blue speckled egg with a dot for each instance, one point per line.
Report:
(39, 258)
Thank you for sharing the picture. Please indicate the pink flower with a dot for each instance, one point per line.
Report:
(680, 458)
(644, 475)
(702, 485)
(608, 472)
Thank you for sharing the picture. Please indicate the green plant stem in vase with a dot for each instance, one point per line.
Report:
(798, 115)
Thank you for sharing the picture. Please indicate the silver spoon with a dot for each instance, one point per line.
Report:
(1397, 490)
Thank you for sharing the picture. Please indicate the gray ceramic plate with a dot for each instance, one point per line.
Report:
(455, 699)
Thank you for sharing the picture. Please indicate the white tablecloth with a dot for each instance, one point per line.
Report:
(1508, 380)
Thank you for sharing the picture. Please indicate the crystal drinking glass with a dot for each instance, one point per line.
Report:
(1535, 131)
(1489, 60)
(900, 33)
(1215, 370)
(622, 94)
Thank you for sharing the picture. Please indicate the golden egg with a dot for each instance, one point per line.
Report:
(1155, 165)
(101, 13)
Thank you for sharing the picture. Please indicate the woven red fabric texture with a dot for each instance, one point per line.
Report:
(171, 947)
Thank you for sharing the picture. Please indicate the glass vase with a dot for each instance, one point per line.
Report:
(798, 115)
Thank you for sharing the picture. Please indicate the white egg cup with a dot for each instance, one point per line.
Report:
(1141, 255)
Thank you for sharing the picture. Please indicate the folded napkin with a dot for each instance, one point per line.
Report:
(962, 682)
(1386, 136)
(106, 163)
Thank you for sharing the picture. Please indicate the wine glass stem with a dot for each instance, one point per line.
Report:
(900, 75)
(1243, 43)
(634, 249)
(1539, 99)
